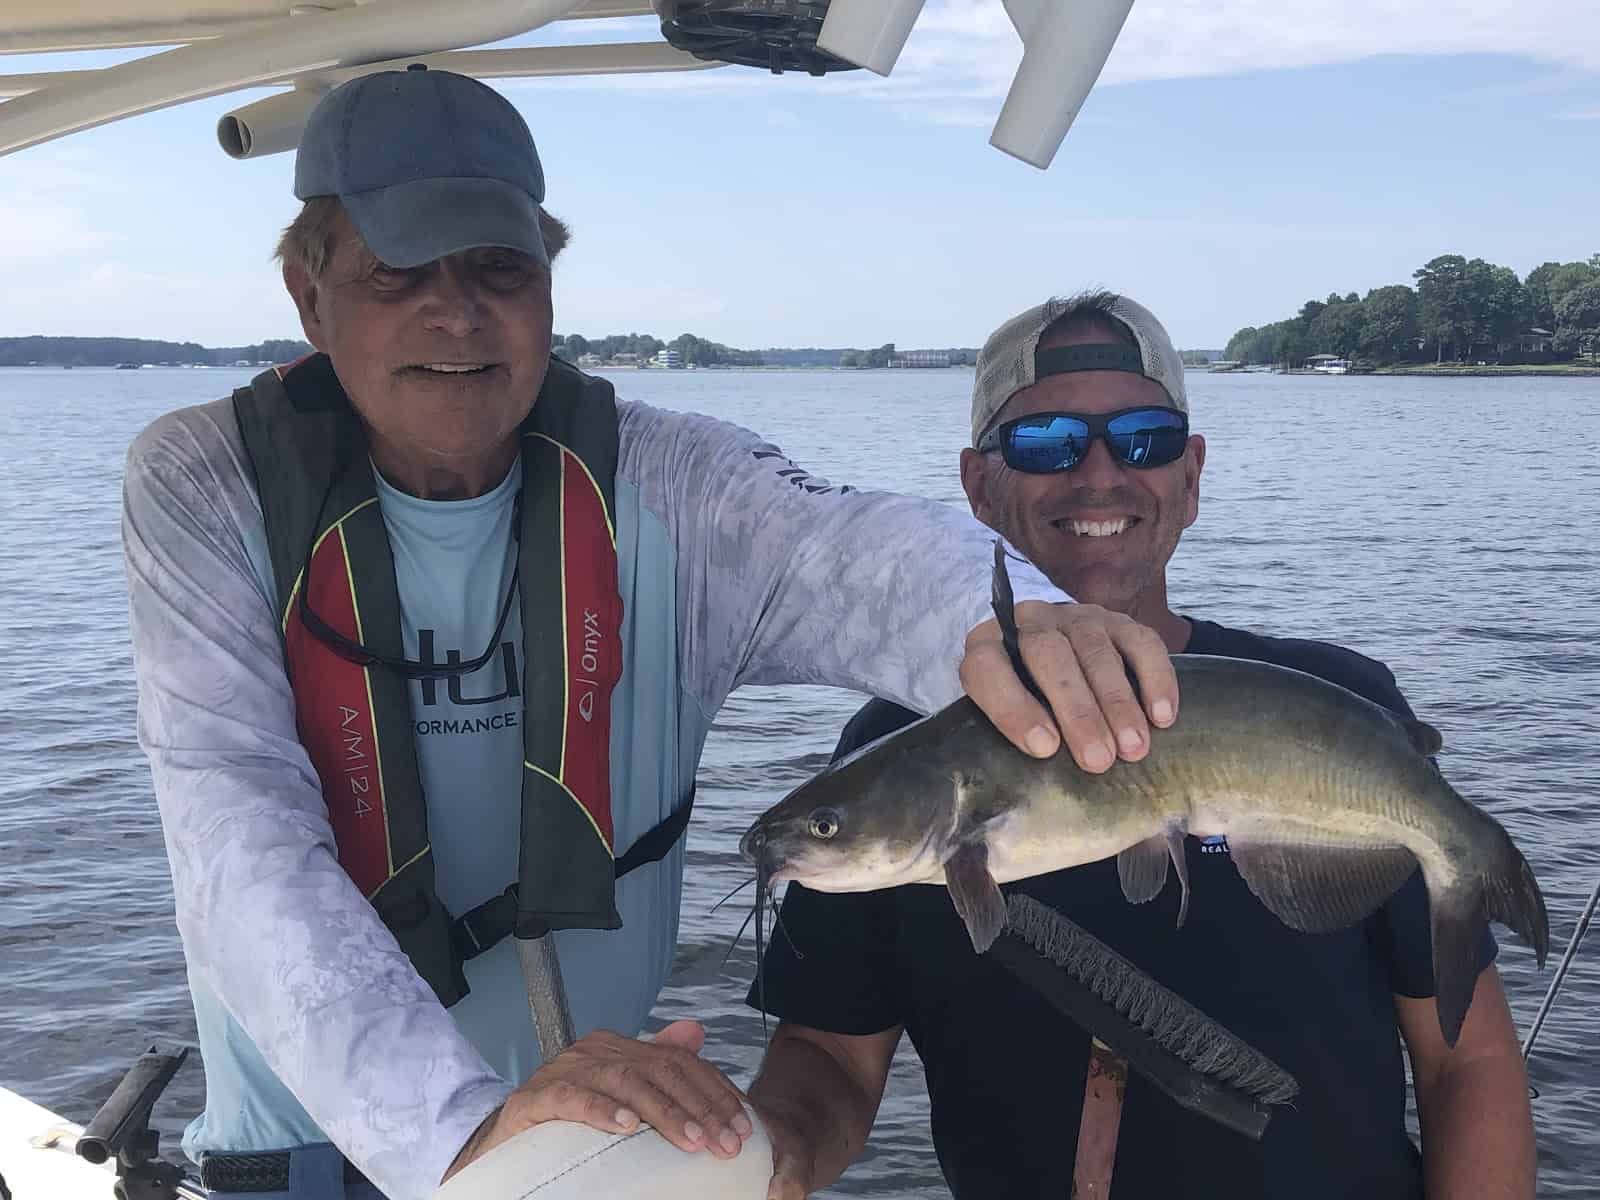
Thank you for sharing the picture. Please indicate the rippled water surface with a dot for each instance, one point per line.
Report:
(1448, 527)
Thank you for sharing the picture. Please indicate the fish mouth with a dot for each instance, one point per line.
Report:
(757, 848)
(753, 844)
(1097, 527)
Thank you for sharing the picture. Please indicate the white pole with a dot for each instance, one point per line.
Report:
(275, 124)
(290, 47)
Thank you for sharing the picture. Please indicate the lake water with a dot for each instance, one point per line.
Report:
(1447, 527)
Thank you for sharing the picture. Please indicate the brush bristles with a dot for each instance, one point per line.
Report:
(1168, 1018)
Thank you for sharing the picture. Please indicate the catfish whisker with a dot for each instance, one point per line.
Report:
(738, 937)
(761, 952)
(732, 894)
(777, 917)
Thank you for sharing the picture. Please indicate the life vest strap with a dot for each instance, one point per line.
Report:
(491, 922)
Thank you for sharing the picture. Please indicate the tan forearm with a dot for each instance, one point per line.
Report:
(1472, 1101)
(1477, 1133)
(825, 1112)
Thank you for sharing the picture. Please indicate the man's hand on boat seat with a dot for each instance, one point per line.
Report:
(613, 1083)
(1081, 656)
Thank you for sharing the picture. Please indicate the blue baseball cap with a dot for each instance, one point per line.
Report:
(427, 164)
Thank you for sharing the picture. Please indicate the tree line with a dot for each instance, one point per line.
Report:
(692, 350)
(109, 352)
(1460, 310)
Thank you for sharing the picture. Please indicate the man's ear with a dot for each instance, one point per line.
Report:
(305, 293)
(1194, 461)
(975, 482)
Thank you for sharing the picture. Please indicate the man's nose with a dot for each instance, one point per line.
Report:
(454, 302)
(1099, 465)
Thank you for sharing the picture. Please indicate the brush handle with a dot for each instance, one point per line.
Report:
(1187, 1087)
(1103, 1087)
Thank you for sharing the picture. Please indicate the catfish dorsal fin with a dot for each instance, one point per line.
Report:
(1427, 740)
(1005, 612)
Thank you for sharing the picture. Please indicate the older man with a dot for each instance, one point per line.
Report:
(1082, 457)
(430, 613)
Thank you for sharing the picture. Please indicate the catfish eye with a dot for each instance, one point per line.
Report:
(824, 823)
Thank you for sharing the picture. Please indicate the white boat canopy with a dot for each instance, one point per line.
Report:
(220, 46)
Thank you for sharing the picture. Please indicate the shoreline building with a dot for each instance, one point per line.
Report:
(920, 358)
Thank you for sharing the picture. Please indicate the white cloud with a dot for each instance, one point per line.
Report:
(1168, 39)
(1580, 114)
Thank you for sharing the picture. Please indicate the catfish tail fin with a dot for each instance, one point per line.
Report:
(1512, 897)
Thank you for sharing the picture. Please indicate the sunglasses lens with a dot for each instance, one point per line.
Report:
(1149, 437)
(1050, 442)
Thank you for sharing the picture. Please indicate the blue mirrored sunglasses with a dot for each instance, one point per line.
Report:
(1042, 443)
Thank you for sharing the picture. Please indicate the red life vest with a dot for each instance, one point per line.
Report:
(308, 451)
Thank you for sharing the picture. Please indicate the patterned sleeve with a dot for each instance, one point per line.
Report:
(786, 578)
(269, 920)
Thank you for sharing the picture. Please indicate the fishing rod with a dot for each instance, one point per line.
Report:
(1561, 973)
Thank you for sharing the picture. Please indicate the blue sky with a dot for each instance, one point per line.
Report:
(1238, 158)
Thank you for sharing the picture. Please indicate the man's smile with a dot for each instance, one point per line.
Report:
(1102, 527)
(450, 368)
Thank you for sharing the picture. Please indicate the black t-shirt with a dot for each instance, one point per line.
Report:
(1005, 1071)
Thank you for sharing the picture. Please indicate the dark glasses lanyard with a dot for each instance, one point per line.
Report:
(364, 656)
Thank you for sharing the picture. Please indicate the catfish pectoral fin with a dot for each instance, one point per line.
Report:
(975, 894)
(1142, 868)
(1320, 888)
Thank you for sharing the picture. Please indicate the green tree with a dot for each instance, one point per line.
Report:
(1389, 324)
(1541, 308)
(1444, 305)
(1578, 319)
(1497, 301)
(1241, 344)
(1568, 276)
(1289, 343)
(1338, 329)
(576, 346)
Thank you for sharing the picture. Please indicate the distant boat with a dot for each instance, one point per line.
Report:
(127, 366)
(1328, 364)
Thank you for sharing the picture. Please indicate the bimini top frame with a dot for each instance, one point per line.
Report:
(221, 46)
